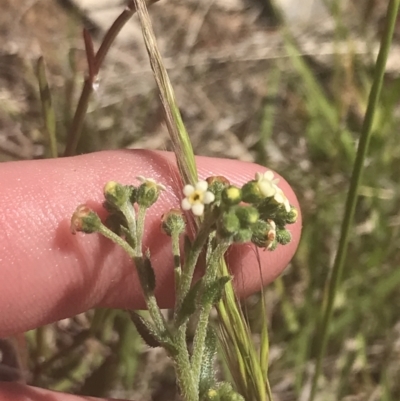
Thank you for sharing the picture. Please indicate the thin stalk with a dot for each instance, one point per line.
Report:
(49, 115)
(202, 325)
(150, 298)
(106, 232)
(176, 252)
(140, 230)
(366, 132)
(192, 256)
(177, 131)
(94, 66)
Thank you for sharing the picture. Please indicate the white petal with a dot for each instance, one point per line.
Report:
(188, 190)
(198, 209)
(208, 197)
(266, 188)
(279, 197)
(269, 175)
(185, 204)
(287, 205)
(202, 186)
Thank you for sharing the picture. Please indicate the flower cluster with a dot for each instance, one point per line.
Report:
(256, 212)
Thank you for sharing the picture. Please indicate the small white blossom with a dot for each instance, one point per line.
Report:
(269, 188)
(267, 183)
(196, 197)
(150, 181)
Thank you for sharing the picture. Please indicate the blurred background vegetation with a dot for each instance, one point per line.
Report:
(279, 83)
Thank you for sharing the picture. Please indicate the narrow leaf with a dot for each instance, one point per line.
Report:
(213, 291)
(146, 330)
(47, 107)
(189, 304)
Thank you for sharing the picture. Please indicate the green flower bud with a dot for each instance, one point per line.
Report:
(283, 236)
(291, 217)
(148, 192)
(229, 224)
(247, 215)
(211, 395)
(231, 195)
(117, 194)
(85, 220)
(251, 192)
(227, 393)
(216, 184)
(173, 222)
(133, 196)
(264, 234)
(243, 235)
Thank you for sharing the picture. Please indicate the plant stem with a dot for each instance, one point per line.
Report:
(192, 256)
(202, 325)
(337, 270)
(75, 131)
(49, 115)
(184, 375)
(176, 252)
(140, 230)
(106, 232)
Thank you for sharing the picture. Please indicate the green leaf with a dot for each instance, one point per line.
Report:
(146, 330)
(147, 275)
(214, 290)
(189, 304)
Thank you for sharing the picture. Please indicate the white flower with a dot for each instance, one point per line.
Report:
(267, 183)
(151, 182)
(196, 197)
(269, 188)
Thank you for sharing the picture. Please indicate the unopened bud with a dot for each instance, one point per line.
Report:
(283, 236)
(291, 217)
(216, 184)
(85, 220)
(251, 192)
(229, 224)
(264, 234)
(243, 235)
(173, 222)
(248, 215)
(117, 194)
(231, 195)
(148, 192)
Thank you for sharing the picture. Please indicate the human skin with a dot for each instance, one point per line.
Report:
(49, 274)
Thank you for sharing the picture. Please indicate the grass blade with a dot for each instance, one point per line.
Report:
(177, 131)
(49, 115)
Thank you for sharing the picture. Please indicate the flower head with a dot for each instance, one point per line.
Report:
(196, 197)
(268, 186)
(148, 192)
(151, 182)
(267, 183)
